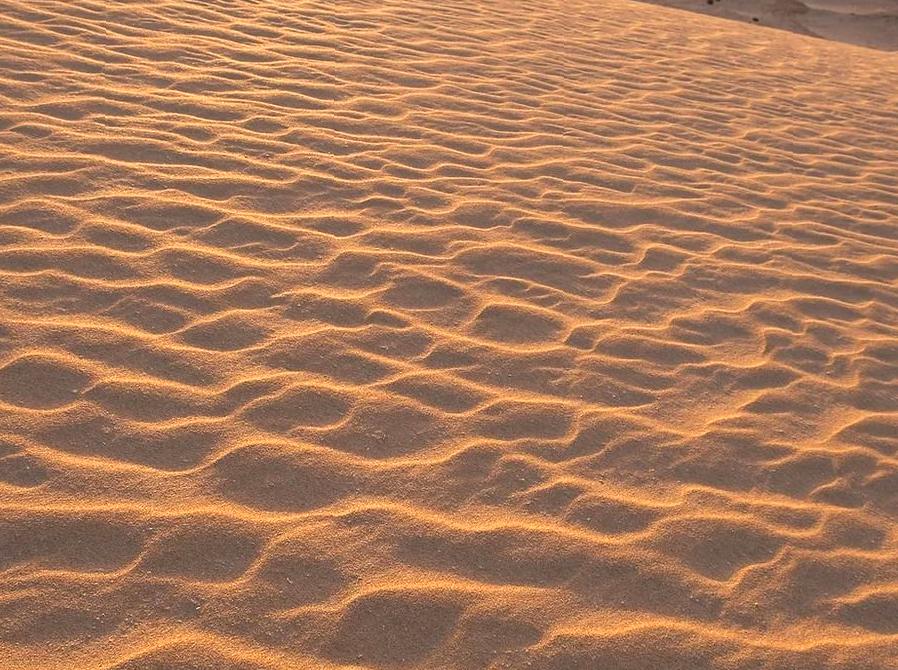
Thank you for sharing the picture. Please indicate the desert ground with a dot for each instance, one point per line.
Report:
(867, 23)
(347, 334)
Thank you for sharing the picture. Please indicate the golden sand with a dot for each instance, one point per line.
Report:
(550, 335)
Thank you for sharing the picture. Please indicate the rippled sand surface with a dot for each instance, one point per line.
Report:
(444, 335)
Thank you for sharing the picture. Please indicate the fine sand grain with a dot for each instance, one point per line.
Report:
(446, 335)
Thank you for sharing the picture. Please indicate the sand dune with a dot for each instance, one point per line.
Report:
(444, 335)
(867, 23)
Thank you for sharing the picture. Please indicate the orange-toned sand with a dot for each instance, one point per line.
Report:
(447, 335)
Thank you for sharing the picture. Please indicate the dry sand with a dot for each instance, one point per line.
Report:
(868, 23)
(444, 335)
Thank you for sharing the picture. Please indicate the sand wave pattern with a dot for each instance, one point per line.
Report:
(444, 335)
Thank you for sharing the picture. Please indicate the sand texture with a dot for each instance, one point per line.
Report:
(868, 23)
(445, 335)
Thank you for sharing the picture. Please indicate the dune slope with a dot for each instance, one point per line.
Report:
(868, 23)
(444, 335)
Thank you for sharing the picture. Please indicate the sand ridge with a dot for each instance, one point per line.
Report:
(444, 335)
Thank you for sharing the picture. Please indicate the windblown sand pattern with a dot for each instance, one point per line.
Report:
(444, 335)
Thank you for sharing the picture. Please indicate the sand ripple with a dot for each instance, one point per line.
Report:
(444, 335)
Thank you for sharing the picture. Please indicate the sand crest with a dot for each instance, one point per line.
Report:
(444, 335)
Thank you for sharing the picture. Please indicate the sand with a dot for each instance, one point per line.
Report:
(867, 23)
(444, 335)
